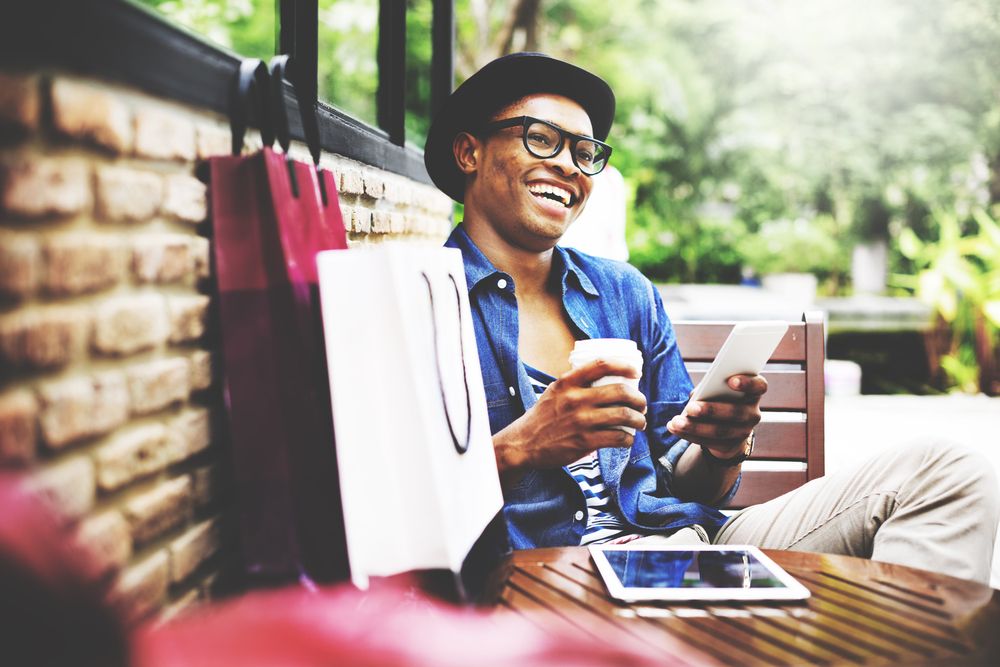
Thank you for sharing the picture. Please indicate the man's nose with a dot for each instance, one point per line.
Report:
(563, 160)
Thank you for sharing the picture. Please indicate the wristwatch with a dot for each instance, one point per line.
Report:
(734, 461)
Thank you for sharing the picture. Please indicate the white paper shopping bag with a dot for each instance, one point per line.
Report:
(417, 470)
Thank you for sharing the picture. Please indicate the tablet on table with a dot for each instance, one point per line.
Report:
(688, 573)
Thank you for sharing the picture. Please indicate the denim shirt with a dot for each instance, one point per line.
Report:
(603, 299)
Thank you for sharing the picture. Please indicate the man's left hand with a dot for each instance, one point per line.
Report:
(722, 426)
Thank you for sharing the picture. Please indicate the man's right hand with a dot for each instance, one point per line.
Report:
(572, 419)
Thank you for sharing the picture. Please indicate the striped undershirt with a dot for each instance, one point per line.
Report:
(603, 524)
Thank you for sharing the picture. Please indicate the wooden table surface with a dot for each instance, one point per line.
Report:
(860, 612)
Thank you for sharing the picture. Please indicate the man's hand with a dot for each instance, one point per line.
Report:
(722, 427)
(572, 419)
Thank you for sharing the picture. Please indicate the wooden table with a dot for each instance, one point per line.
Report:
(860, 612)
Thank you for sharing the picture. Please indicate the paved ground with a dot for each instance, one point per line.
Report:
(885, 420)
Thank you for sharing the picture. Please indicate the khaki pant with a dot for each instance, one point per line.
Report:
(930, 506)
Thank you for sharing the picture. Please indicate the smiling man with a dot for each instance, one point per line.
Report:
(519, 143)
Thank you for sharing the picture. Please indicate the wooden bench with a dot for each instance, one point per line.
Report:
(791, 430)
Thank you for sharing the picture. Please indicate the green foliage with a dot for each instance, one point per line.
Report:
(348, 45)
(706, 252)
(247, 27)
(796, 246)
(959, 275)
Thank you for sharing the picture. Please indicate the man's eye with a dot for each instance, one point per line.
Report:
(585, 156)
(536, 138)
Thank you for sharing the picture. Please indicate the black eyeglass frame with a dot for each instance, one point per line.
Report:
(527, 121)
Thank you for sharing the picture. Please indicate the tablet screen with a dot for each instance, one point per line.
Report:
(690, 569)
(701, 573)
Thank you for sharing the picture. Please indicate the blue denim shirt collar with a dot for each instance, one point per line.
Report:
(478, 267)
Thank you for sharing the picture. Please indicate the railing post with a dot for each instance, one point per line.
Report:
(442, 53)
(392, 69)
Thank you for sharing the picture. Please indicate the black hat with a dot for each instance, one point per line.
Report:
(497, 84)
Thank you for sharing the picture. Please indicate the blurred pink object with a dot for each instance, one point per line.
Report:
(53, 611)
(52, 604)
(343, 626)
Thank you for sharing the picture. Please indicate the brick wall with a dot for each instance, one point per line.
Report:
(110, 396)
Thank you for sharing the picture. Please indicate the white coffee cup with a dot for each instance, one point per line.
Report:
(619, 350)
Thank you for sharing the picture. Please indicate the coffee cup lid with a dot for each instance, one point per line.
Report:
(606, 346)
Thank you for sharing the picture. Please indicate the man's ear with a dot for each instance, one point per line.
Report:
(466, 150)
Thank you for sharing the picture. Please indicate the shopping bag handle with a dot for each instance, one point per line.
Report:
(249, 92)
(460, 446)
(282, 67)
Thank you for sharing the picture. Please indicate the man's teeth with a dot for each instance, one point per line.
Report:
(565, 197)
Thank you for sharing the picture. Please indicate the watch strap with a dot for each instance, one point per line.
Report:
(734, 461)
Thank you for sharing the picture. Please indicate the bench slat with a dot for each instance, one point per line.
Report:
(758, 486)
(786, 390)
(700, 341)
(780, 440)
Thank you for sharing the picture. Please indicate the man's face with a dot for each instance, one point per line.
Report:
(529, 201)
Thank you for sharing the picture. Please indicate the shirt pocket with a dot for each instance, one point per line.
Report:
(658, 413)
(501, 406)
(497, 395)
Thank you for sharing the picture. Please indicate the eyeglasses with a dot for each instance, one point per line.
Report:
(544, 140)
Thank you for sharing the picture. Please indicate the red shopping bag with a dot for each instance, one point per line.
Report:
(269, 218)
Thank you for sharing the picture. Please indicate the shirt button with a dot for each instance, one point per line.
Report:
(511, 390)
(502, 283)
(579, 515)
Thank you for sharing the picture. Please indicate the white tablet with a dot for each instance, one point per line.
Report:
(693, 573)
(745, 351)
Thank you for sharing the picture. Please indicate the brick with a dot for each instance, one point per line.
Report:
(128, 195)
(191, 432)
(45, 186)
(439, 203)
(19, 101)
(374, 184)
(361, 220)
(91, 113)
(20, 262)
(81, 263)
(141, 589)
(193, 548)
(18, 430)
(159, 510)
(201, 370)
(163, 258)
(381, 222)
(252, 141)
(188, 316)
(213, 585)
(410, 224)
(351, 182)
(397, 192)
(185, 604)
(128, 324)
(200, 251)
(133, 454)
(82, 407)
(164, 135)
(68, 486)
(108, 538)
(42, 338)
(156, 384)
(186, 198)
(397, 222)
(205, 485)
(212, 140)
